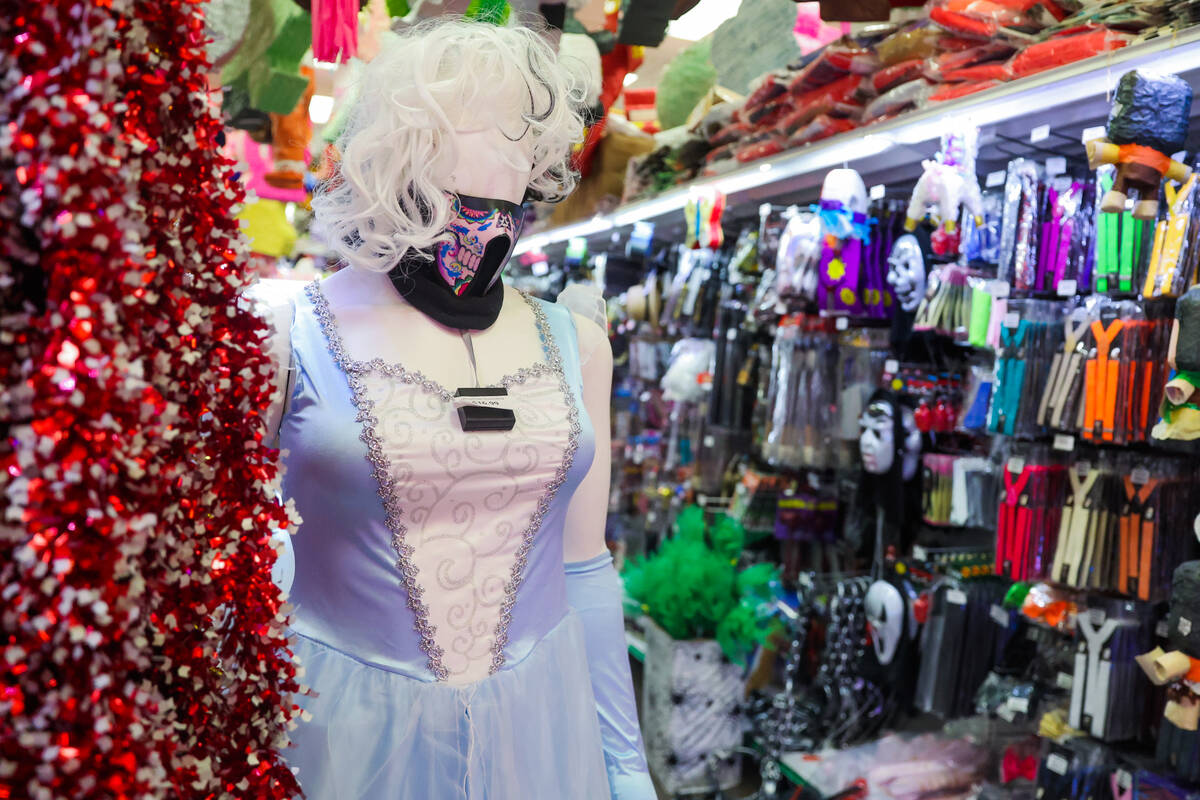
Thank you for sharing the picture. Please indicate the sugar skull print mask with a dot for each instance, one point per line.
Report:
(484, 232)
(460, 285)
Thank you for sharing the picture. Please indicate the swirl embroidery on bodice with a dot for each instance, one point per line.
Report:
(463, 508)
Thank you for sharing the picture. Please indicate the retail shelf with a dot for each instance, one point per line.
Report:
(637, 646)
(1078, 94)
(799, 768)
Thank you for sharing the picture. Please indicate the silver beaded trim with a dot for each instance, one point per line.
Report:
(555, 362)
(387, 486)
(380, 469)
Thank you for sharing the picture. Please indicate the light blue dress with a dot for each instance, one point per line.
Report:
(431, 616)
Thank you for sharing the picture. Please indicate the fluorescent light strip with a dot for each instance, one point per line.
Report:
(1038, 93)
(597, 224)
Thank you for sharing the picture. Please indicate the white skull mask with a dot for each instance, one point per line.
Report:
(884, 606)
(906, 272)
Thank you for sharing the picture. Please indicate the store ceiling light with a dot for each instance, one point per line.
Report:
(320, 108)
(704, 18)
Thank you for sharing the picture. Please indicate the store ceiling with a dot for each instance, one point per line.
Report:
(657, 58)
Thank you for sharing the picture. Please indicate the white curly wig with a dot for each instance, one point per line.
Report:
(386, 196)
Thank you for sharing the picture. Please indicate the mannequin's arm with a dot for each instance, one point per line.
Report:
(589, 507)
(594, 588)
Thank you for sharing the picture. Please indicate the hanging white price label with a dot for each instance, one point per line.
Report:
(877, 191)
(999, 289)
(1185, 626)
(1093, 133)
(842, 323)
(891, 366)
(1006, 713)
(1019, 704)
(1039, 134)
(919, 553)
(999, 615)
(1012, 320)
(1057, 764)
(956, 597)
(1064, 442)
(1016, 464)
(1162, 630)
(996, 178)
(1055, 165)
(1064, 680)
(1067, 287)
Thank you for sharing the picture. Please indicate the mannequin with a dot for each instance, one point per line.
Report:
(456, 607)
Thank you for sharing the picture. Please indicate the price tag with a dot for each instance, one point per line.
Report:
(1039, 134)
(1185, 626)
(1057, 764)
(1162, 630)
(956, 597)
(999, 615)
(1082, 468)
(877, 191)
(1064, 680)
(1019, 704)
(1006, 713)
(919, 553)
(1056, 165)
(1064, 442)
(1012, 320)
(996, 178)
(1124, 779)
(731, 335)
(842, 323)
(1000, 289)
(1097, 617)
(891, 366)
(1093, 133)
(1140, 476)
(540, 268)
(1016, 464)
(1067, 287)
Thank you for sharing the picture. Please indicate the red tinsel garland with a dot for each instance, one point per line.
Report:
(143, 650)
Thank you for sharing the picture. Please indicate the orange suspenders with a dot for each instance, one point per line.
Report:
(1137, 538)
(1102, 376)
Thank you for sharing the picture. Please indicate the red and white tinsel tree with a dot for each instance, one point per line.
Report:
(143, 650)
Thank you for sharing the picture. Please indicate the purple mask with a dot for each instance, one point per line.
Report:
(484, 232)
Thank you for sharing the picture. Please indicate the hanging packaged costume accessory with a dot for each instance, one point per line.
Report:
(846, 232)
(456, 282)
